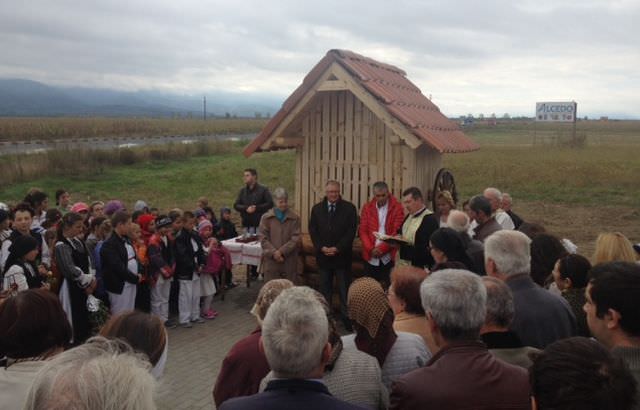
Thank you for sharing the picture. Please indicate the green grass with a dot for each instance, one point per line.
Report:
(602, 175)
(527, 132)
(606, 173)
(167, 184)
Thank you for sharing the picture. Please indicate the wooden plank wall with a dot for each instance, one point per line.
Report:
(345, 141)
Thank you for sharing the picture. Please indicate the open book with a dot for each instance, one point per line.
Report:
(399, 240)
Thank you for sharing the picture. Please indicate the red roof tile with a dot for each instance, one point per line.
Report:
(391, 87)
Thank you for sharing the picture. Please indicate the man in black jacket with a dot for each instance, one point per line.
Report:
(253, 201)
(332, 227)
(120, 265)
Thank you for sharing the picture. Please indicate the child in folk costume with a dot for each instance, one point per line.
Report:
(72, 260)
(161, 268)
(143, 294)
(21, 272)
(218, 261)
(207, 283)
(226, 227)
(189, 262)
(120, 268)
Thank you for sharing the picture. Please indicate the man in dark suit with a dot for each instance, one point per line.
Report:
(295, 339)
(332, 227)
(541, 317)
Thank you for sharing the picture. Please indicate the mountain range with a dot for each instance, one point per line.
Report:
(20, 97)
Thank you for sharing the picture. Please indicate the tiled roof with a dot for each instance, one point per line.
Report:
(393, 90)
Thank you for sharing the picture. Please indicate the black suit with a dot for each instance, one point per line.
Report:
(114, 258)
(290, 394)
(338, 230)
(334, 229)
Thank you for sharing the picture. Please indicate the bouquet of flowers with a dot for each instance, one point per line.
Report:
(98, 313)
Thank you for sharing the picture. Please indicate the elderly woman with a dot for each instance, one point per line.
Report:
(613, 246)
(144, 332)
(33, 329)
(397, 352)
(445, 204)
(404, 299)
(570, 274)
(350, 375)
(100, 374)
(246, 365)
(280, 240)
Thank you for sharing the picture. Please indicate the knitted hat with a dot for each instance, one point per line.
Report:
(203, 224)
(112, 207)
(22, 245)
(80, 207)
(267, 295)
(140, 205)
(367, 304)
(198, 213)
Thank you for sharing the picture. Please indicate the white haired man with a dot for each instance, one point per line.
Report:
(541, 317)
(495, 198)
(507, 202)
(100, 374)
(462, 374)
(295, 339)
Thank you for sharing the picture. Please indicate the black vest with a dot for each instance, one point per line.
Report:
(79, 254)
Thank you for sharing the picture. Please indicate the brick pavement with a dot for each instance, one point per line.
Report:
(195, 354)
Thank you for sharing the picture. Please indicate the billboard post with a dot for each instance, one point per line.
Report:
(558, 112)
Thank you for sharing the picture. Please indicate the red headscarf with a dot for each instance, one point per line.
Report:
(144, 220)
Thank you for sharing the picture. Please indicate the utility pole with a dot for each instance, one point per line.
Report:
(204, 112)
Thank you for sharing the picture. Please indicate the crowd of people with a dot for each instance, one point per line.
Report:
(456, 309)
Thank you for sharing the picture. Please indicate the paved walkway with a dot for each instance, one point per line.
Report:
(195, 355)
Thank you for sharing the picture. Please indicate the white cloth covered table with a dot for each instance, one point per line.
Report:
(244, 253)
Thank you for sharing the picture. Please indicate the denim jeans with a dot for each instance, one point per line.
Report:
(343, 279)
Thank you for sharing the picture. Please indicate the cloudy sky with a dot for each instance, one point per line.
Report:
(472, 56)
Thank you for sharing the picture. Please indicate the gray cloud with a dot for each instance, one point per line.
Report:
(491, 56)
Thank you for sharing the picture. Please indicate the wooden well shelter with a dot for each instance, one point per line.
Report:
(358, 121)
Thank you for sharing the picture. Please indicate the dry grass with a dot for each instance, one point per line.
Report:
(36, 129)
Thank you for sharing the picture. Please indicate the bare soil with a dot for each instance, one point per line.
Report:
(582, 224)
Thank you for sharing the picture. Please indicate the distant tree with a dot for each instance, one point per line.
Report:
(493, 115)
(481, 116)
(258, 114)
(227, 115)
(586, 118)
(506, 116)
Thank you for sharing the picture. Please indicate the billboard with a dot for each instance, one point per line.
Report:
(556, 111)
